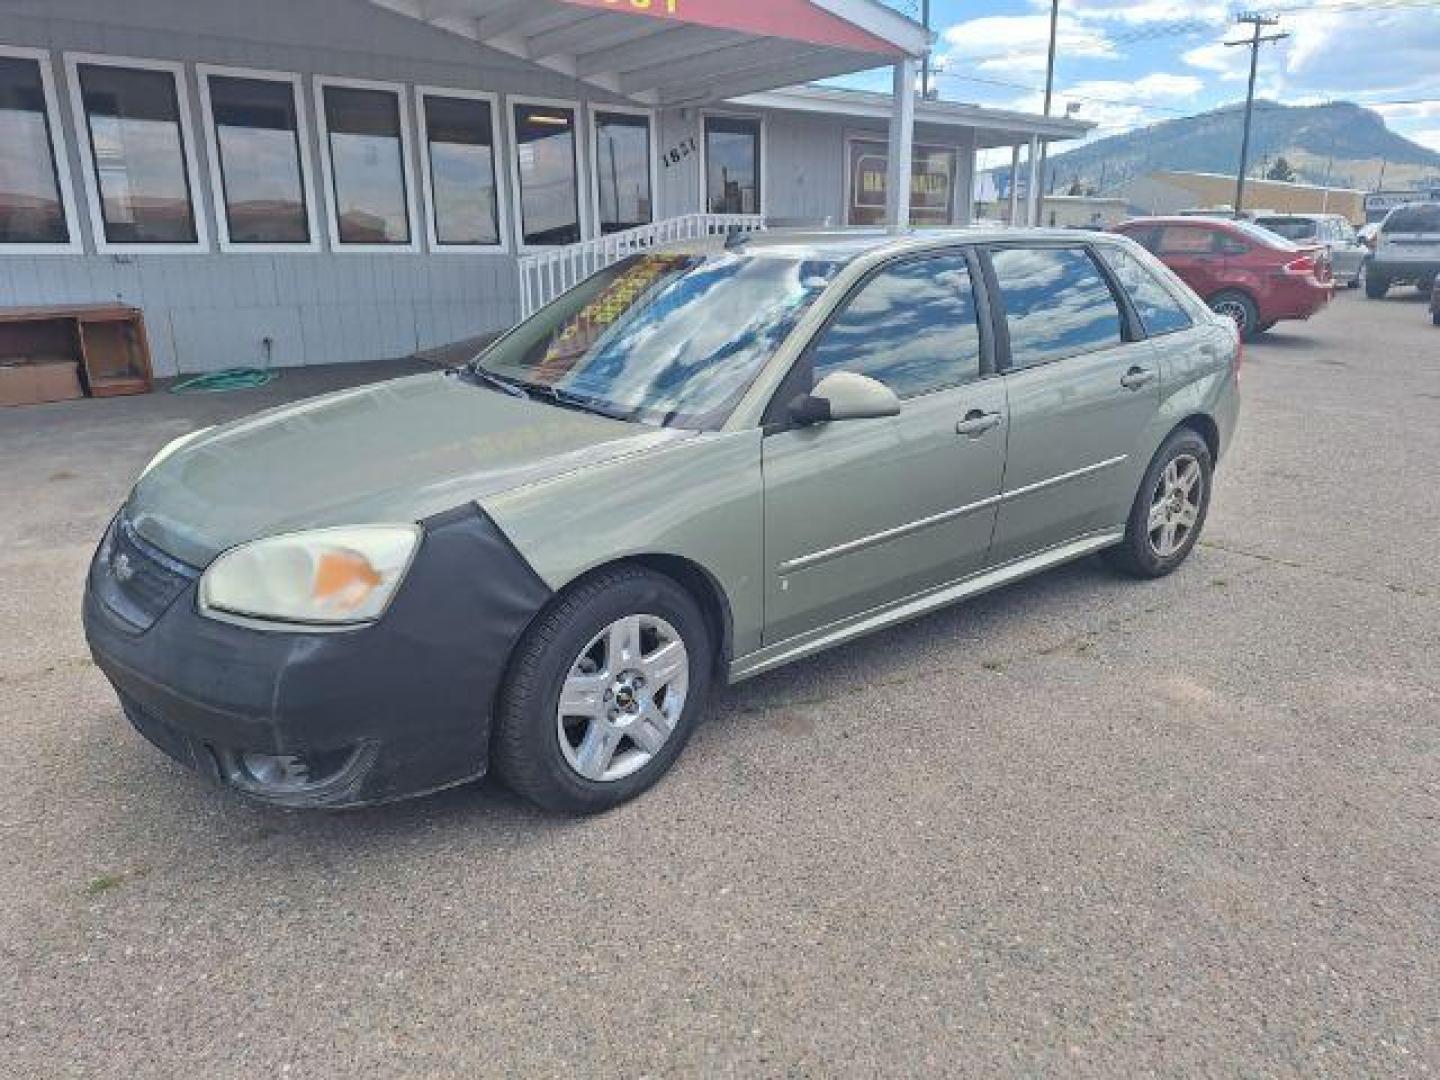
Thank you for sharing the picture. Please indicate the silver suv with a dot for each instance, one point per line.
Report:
(1407, 250)
(1348, 253)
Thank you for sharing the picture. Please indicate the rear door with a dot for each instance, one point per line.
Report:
(1194, 253)
(1083, 388)
(860, 513)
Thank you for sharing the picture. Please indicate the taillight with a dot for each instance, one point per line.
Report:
(1305, 264)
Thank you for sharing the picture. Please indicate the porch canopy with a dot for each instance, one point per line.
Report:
(683, 52)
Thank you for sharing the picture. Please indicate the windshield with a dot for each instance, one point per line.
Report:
(670, 339)
(1422, 219)
(1291, 228)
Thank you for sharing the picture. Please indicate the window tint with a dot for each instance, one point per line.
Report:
(912, 327)
(549, 190)
(1421, 219)
(368, 165)
(1057, 304)
(1185, 240)
(732, 165)
(1160, 313)
(133, 118)
(460, 146)
(257, 141)
(30, 208)
(622, 165)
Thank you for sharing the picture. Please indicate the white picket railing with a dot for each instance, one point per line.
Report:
(544, 275)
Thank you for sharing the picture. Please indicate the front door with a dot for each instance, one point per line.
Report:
(1194, 252)
(861, 513)
(1081, 400)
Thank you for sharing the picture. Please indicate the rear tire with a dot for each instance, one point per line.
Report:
(1376, 285)
(1241, 308)
(1168, 513)
(625, 738)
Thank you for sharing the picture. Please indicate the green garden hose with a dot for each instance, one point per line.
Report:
(239, 378)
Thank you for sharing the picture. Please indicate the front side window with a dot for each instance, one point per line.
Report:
(732, 165)
(548, 171)
(622, 170)
(137, 145)
(1056, 303)
(32, 210)
(365, 137)
(912, 326)
(1160, 313)
(1185, 240)
(670, 339)
(460, 154)
(256, 131)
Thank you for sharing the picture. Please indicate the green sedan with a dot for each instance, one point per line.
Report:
(695, 466)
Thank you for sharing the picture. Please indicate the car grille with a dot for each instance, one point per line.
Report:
(136, 580)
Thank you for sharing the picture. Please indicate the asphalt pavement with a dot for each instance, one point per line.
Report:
(1083, 825)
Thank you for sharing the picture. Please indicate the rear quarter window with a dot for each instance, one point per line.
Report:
(1159, 311)
(1057, 304)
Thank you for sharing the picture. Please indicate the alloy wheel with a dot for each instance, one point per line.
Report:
(623, 697)
(1175, 505)
(1235, 309)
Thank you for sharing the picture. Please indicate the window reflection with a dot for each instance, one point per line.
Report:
(1056, 304)
(622, 164)
(134, 124)
(732, 165)
(30, 208)
(549, 190)
(257, 137)
(1160, 313)
(461, 143)
(913, 327)
(668, 339)
(367, 165)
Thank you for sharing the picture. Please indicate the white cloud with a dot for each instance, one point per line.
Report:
(1018, 43)
(1146, 12)
(1426, 137)
(1114, 106)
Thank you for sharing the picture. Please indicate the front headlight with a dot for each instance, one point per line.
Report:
(327, 577)
(173, 445)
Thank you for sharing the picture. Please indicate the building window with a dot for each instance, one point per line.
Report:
(259, 158)
(139, 156)
(732, 165)
(932, 184)
(458, 134)
(34, 193)
(547, 173)
(623, 180)
(366, 143)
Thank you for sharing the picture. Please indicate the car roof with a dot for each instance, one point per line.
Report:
(1178, 219)
(845, 245)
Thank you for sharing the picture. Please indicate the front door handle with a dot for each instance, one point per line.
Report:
(1136, 377)
(977, 422)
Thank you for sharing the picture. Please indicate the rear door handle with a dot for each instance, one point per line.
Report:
(1136, 377)
(977, 422)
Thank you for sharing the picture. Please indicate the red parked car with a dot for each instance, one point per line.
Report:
(1239, 269)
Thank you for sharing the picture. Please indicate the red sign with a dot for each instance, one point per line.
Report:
(795, 20)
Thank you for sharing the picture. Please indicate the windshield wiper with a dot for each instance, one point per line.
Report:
(497, 382)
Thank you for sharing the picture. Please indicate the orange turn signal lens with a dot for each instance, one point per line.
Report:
(343, 579)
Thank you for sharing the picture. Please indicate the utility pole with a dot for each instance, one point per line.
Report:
(925, 60)
(1049, 93)
(1258, 22)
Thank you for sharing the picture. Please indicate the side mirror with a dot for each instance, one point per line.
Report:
(845, 395)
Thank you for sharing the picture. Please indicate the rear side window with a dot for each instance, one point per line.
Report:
(1057, 304)
(912, 326)
(1159, 312)
(1413, 219)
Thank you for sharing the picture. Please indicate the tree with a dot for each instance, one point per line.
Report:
(1281, 170)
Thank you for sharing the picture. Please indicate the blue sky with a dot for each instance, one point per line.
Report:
(1131, 64)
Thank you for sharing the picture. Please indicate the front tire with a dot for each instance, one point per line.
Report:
(1169, 509)
(1376, 285)
(603, 692)
(1241, 309)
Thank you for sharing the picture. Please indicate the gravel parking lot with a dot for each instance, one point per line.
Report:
(1083, 825)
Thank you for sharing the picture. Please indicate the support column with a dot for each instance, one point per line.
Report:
(1014, 184)
(1032, 195)
(902, 148)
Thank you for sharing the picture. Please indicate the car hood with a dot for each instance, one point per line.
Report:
(393, 451)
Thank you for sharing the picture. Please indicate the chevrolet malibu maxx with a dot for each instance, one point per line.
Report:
(696, 466)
